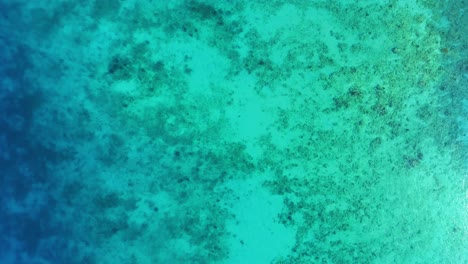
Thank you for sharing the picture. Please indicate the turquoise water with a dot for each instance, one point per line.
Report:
(233, 131)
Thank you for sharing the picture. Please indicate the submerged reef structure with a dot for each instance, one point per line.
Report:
(233, 132)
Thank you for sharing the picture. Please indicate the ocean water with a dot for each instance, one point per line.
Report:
(183, 131)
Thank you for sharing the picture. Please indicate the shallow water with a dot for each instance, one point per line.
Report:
(243, 132)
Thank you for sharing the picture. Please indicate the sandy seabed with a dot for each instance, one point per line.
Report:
(233, 131)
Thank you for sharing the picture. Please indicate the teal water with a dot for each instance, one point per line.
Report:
(233, 131)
